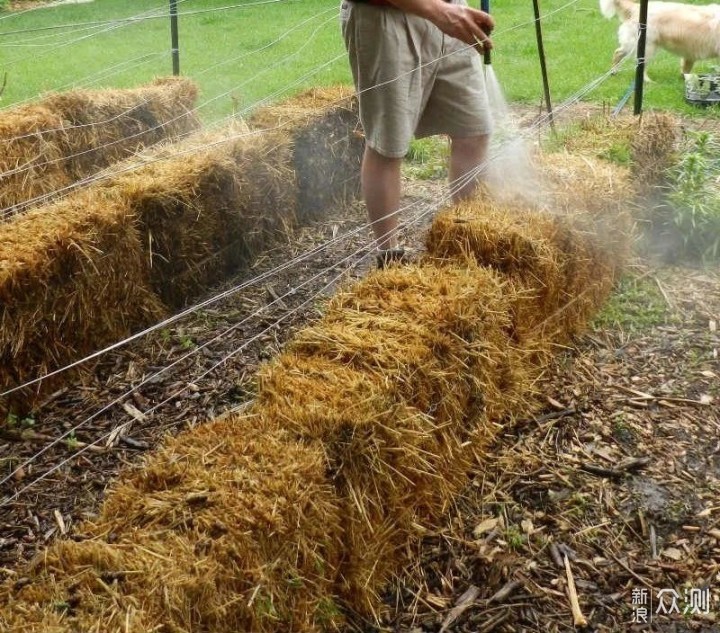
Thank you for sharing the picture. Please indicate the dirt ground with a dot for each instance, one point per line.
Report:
(615, 488)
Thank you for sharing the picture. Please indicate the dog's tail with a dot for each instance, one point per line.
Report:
(610, 8)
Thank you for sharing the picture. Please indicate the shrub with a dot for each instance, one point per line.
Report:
(694, 197)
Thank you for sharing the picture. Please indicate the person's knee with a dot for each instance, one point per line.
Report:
(376, 158)
(469, 144)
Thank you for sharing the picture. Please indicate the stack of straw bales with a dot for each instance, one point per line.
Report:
(112, 258)
(361, 437)
(190, 213)
(328, 145)
(49, 145)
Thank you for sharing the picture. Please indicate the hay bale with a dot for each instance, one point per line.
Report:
(72, 279)
(360, 438)
(209, 205)
(328, 146)
(68, 136)
(561, 269)
(654, 151)
(226, 529)
(168, 225)
(400, 382)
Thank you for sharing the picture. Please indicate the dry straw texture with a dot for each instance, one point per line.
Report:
(227, 529)
(328, 145)
(360, 438)
(88, 270)
(402, 383)
(209, 205)
(72, 278)
(47, 146)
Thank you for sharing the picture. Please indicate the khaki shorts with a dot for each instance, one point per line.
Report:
(411, 79)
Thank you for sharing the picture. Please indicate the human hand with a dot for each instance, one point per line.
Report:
(466, 24)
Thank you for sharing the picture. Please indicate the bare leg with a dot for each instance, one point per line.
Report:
(380, 178)
(467, 156)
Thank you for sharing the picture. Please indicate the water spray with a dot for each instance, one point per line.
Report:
(511, 170)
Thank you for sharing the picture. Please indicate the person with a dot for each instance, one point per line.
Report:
(417, 73)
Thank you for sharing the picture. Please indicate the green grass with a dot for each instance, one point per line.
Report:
(219, 49)
(579, 44)
(636, 305)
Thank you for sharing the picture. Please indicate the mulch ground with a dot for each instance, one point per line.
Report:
(616, 486)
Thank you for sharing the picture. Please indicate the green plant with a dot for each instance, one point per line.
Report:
(514, 537)
(636, 305)
(427, 158)
(71, 441)
(13, 421)
(326, 611)
(694, 197)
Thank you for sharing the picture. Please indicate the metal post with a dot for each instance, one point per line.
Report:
(543, 63)
(640, 70)
(175, 46)
(485, 6)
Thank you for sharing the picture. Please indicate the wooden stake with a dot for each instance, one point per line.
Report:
(578, 617)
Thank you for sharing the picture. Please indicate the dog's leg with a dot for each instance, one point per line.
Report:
(618, 56)
(686, 66)
(650, 50)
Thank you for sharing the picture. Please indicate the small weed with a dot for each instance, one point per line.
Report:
(326, 611)
(186, 342)
(636, 305)
(295, 582)
(71, 441)
(514, 537)
(618, 153)
(13, 421)
(264, 607)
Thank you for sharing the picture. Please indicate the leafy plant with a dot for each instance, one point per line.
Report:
(694, 197)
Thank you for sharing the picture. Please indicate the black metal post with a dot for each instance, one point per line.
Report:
(175, 46)
(640, 70)
(485, 6)
(543, 63)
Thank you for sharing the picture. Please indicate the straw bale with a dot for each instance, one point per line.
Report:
(653, 151)
(68, 136)
(360, 438)
(209, 205)
(228, 528)
(72, 279)
(399, 382)
(562, 274)
(328, 145)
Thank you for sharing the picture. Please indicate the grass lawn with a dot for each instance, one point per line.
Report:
(236, 58)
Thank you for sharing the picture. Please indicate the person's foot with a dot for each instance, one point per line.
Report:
(385, 258)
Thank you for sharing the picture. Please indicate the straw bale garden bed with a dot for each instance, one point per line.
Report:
(512, 434)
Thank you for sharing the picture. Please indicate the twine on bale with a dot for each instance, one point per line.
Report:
(47, 146)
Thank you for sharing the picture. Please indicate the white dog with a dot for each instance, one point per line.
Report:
(689, 31)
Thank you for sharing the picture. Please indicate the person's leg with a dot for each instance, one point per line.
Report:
(467, 164)
(381, 191)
